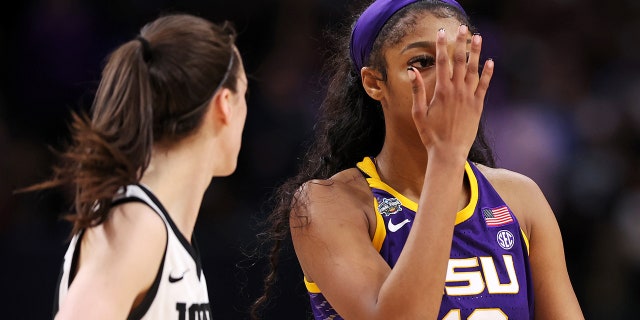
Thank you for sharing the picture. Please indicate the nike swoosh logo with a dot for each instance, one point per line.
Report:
(176, 279)
(396, 227)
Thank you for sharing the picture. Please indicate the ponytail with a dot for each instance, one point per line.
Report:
(112, 147)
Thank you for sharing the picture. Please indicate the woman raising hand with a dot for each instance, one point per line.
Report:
(397, 211)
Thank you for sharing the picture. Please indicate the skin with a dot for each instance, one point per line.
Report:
(432, 112)
(120, 258)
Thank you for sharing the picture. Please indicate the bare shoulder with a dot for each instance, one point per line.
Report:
(346, 188)
(332, 222)
(132, 230)
(132, 222)
(521, 193)
(506, 179)
(347, 193)
(130, 242)
(349, 179)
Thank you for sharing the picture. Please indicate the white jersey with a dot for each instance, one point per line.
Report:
(179, 290)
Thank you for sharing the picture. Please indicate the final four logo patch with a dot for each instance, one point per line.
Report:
(389, 206)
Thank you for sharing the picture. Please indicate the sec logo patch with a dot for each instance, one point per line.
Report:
(505, 239)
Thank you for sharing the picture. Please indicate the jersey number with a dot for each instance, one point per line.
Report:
(477, 314)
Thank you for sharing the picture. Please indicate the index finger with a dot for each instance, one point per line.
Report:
(418, 91)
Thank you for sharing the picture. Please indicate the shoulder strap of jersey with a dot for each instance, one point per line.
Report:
(368, 168)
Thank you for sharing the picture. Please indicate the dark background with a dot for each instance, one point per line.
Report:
(563, 108)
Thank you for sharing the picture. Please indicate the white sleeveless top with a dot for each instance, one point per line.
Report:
(179, 290)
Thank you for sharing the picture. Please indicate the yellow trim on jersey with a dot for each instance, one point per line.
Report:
(466, 213)
(311, 286)
(369, 168)
(375, 182)
(526, 240)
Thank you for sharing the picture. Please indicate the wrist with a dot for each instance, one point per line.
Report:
(447, 157)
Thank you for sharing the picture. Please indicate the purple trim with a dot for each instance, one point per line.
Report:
(371, 22)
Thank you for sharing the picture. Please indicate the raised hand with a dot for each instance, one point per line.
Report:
(449, 120)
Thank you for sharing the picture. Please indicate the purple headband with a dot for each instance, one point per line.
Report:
(371, 22)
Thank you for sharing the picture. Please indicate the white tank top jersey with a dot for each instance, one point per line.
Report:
(179, 290)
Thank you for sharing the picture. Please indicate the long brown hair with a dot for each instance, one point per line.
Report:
(154, 89)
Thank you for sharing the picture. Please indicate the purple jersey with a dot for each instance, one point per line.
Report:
(488, 275)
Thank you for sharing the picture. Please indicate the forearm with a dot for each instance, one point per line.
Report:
(416, 283)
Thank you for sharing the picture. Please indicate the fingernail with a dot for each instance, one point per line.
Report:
(477, 38)
(463, 28)
(441, 33)
(411, 73)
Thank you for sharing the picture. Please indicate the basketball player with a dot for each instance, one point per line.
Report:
(167, 117)
(397, 211)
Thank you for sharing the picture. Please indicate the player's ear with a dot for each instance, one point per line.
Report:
(220, 106)
(371, 81)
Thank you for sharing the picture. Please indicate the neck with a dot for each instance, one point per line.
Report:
(179, 177)
(403, 167)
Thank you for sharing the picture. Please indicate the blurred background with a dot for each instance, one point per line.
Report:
(563, 108)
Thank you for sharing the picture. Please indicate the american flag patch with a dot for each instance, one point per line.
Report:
(495, 217)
